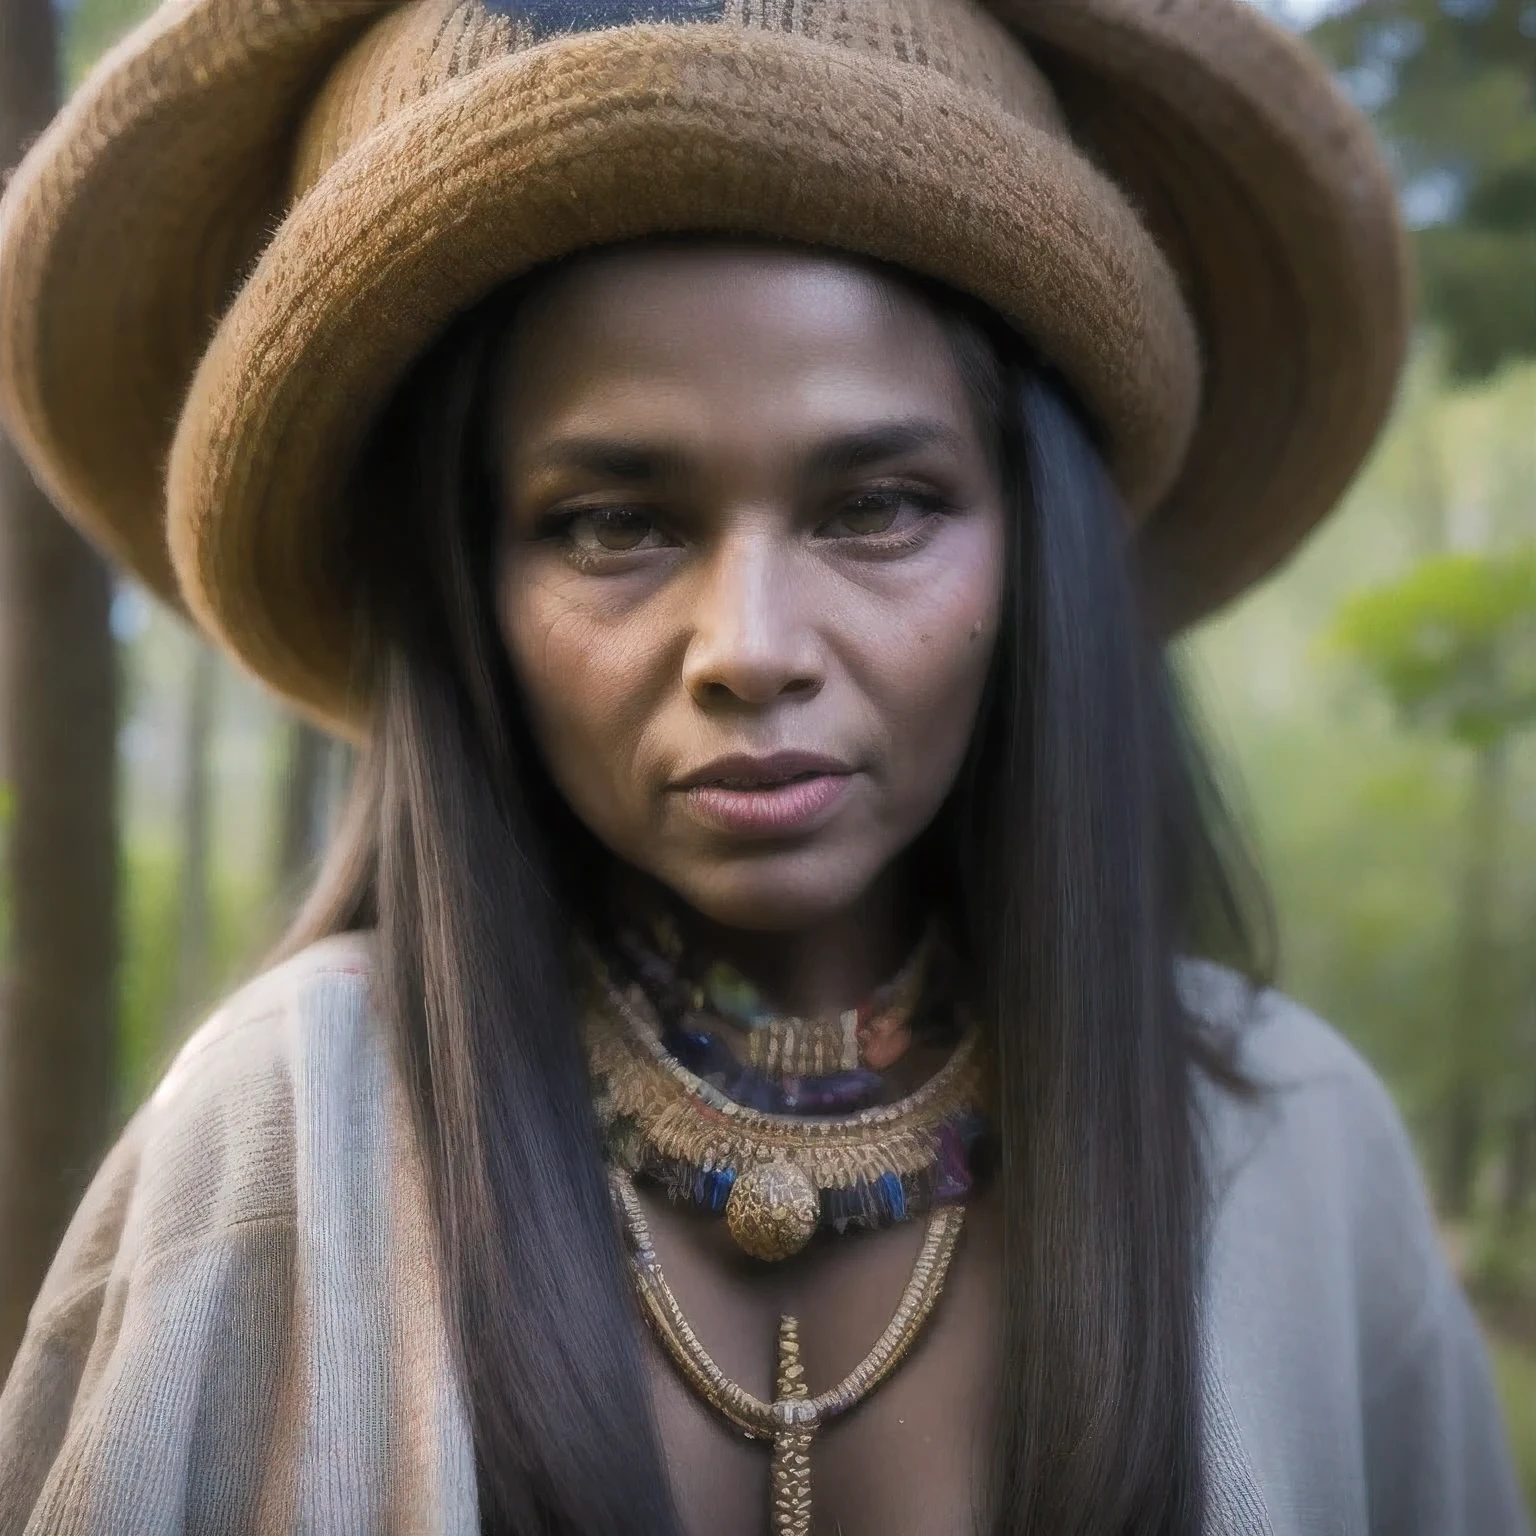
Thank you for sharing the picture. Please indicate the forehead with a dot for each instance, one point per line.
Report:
(739, 337)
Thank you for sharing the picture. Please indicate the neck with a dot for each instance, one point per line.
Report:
(820, 968)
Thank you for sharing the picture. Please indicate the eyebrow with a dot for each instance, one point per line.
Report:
(614, 458)
(875, 445)
(638, 461)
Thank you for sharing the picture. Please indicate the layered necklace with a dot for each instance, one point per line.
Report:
(783, 1139)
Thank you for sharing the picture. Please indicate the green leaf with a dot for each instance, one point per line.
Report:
(1453, 644)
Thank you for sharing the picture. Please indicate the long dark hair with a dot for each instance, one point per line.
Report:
(1086, 847)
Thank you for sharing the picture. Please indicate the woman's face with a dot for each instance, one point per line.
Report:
(751, 568)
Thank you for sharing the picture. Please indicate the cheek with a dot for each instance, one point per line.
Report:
(930, 672)
(581, 682)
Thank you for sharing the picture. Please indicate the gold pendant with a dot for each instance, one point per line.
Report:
(773, 1210)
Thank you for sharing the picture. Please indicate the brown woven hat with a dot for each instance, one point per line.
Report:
(222, 257)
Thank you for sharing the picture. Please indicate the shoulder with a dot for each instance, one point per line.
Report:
(222, 1141)
(1343, 1354)
(1300, 1065)
(1319, 1115)
(269, 1024)
(216, 1148)
(1322, 1240)
(262, 1222)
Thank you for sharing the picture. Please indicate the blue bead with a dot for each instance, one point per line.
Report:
(712, 1189)
(893, 1196)
(725, 1179)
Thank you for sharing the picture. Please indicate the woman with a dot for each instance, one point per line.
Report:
(691, 451)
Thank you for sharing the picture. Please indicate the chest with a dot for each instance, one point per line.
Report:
(911, 1459)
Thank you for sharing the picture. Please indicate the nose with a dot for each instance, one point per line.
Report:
(750, 641)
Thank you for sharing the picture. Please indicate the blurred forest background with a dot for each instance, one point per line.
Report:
(1374, 705)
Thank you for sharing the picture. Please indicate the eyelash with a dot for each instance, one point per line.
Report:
(557, 526)
(930, 508)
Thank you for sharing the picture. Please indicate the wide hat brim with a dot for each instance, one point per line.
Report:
(191, 368)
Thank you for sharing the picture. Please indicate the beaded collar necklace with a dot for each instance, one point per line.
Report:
(790, 1065)
(869, 1037)
(779, 1157)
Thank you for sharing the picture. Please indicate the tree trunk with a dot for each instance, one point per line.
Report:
(1463, 1115)
(304, 791)
(58, 703)
(195, 930)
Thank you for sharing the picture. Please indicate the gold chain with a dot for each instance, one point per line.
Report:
(793, 1418)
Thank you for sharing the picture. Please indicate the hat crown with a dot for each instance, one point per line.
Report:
(425, 46)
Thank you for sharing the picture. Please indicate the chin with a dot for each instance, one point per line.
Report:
(769, 895)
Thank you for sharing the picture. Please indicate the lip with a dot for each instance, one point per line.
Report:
(740, 770)
(774, 796)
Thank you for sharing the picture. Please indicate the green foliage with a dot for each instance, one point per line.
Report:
(1452, 84)
(1514, 1370)
(1358, 825)
(1502, 1257)
(147, 985)
(1481, 285)
(90, 27)
(1453, 643)
(150, 1027)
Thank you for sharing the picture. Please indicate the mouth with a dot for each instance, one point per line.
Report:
(785, 794)
(741, 772)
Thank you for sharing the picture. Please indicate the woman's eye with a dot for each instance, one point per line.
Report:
(611, 530)
(881, 512)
